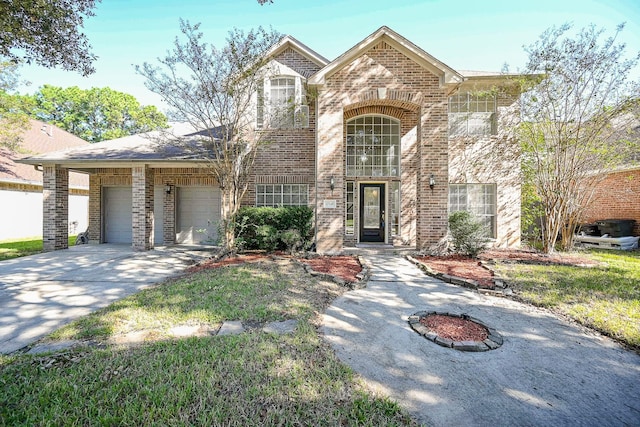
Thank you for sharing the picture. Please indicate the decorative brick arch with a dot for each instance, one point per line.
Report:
(386, 108)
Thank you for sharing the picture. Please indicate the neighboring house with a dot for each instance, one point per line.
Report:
(21, 184)
(617, 196)
(383, 142)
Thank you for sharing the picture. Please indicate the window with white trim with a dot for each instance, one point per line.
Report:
(394, 221)
(479, 199)
(373, 146)
(472, 114)
(275, 195)
(281, 104)
(349, 229)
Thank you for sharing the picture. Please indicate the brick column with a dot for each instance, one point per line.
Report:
(433, 158)
(142, 208)
(330, 163)
(55, 208)
(95, 209)
(169, 206)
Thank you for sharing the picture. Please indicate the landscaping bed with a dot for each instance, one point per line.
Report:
(597, 288)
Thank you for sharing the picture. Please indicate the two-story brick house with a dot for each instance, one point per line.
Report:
(383, 142)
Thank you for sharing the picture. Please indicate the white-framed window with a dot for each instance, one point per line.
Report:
(373, 146)
(479, 199)
(472, 114)
(349, 229)
(275, 195)
(281, 103)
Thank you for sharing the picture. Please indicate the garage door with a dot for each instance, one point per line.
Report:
(117, 214)
(198, 215)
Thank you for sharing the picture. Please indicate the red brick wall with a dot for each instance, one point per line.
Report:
(617, 197)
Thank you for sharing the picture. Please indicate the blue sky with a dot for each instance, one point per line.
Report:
(464, 34)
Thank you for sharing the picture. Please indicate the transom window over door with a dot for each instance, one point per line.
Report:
(373, 146)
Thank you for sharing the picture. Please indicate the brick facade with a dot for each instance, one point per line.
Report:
(386, 76)
(616, 197)
(385, 81)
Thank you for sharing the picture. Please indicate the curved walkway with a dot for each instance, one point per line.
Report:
(547, 372)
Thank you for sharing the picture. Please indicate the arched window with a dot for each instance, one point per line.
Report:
(373, 146)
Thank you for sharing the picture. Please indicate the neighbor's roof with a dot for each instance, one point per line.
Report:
(447, 74)
(148, 148)
(40, 138)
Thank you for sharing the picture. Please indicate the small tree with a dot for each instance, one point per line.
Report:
(575, 122)
(214, 89)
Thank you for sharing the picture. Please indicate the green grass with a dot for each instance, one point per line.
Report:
(606, 297)
(22, 247)
(254, 378)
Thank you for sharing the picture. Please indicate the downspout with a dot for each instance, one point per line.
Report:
(315, 235)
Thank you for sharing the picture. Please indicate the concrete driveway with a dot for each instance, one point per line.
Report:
(40, 293)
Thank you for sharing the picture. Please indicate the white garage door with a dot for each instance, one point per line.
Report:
(198, 214)
(158, 215)
(117, 214)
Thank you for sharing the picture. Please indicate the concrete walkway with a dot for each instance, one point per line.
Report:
(547, 372)
(40, 293)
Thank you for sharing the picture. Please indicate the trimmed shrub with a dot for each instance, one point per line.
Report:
(269, 229)
(468, 235)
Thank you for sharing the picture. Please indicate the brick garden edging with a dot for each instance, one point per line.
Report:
(493, 341)
(499, 283)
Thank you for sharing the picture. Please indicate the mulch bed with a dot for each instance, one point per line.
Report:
(460, 266)
(533, 257)
(455, 328)
(469, 268)
(345, 267)
(234, 260)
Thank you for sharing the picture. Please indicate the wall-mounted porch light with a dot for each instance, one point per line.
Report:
(332, 183)
(432, 181)
(167, 188)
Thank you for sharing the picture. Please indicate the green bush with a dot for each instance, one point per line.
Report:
(469, 236)
(292, 240)
(265, 228)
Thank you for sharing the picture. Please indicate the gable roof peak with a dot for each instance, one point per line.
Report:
(446, 74)
(290, 41)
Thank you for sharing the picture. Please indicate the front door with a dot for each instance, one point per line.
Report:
(372, 203)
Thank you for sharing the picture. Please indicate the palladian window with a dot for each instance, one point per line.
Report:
(373, 146)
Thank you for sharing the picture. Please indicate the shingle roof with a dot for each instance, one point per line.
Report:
(154, 146)
(40, 138)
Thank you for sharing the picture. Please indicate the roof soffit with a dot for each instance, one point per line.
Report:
(447, 74)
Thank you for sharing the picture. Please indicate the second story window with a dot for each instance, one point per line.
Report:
(281, 104)
(472, 114)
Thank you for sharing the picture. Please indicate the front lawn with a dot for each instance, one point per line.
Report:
(16, 248)
(255, 378)
(605, 297)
